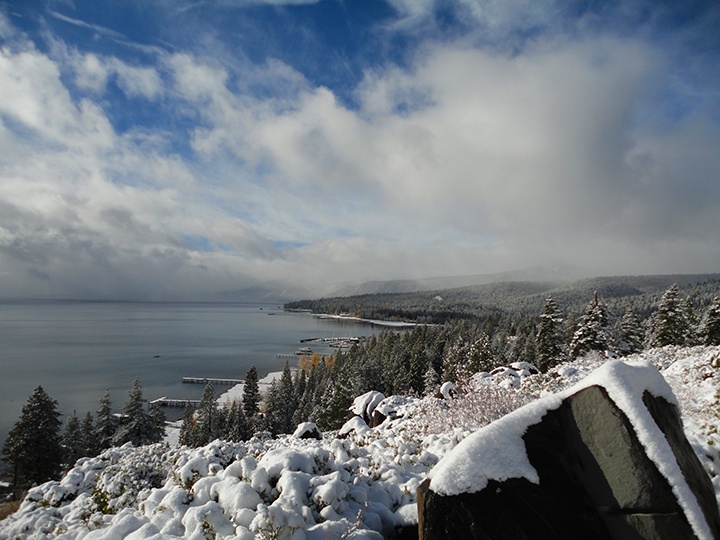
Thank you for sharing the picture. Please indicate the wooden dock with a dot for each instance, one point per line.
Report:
(166, 402)
(205, 380)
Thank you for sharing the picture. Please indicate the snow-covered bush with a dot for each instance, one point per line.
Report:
(362, 486)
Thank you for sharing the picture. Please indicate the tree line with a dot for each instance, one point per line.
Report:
(40, 446)
(415, 362)
(411, 362)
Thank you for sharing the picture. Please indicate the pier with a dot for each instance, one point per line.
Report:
(205, 380)
(166, 402)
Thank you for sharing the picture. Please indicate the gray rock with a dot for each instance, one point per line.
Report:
(596, 482)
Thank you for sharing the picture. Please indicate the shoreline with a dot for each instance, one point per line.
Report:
(375, 322)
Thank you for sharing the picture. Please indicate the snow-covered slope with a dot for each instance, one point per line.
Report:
(361, 486)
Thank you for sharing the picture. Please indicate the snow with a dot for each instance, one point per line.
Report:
(363, 485)
(448, 390)
(304, 429)
(497, 451)
(365, 405)
(235, 393)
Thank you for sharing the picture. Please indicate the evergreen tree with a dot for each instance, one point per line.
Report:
(709, 331)
(251, 394)
(106, 423)
(670, 323)
(90, 443)
(237, 427)
(432, 381)
(157, 423)
(593, 332)
(454, 367)
(136, 426)
(631, 334)
(208, 419)
(336, 400)
(33, 448)
(271, 416)
(480, 355)
(188, 426)
(549, 339)
(72, 440)
(287, 402)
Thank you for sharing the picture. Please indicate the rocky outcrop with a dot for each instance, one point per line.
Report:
(596, 480)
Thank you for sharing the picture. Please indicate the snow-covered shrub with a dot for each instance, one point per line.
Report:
(481, 403)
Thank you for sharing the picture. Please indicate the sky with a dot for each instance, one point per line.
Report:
(180, 149)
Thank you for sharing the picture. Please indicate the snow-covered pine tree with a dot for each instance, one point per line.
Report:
(593, 331)
(431, 380)
(670, 323)
(288, 401)
(89, 436)
(480, 355)
(236, 426)
(136, 425)
(709, 331)
(72, 440)
(187, 426)
(549, 340)
(157, 422)
(208, 425)
(632, 334)
(106, 423)
(251, 394)
(33, 448)
(454, 359)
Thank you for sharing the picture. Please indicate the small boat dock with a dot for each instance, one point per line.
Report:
(205, 380)
(166, 402)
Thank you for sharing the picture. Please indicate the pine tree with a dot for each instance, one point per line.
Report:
(208, 424)
(106, 423)
(670, 323)
(90, 443)
(709, 331)
(287, 402)
(454, 361)
(549, 339)
(480, 355)
(72, 440)
(33, 447)
(593, 332)
(157, 423)
(251, 394)
(271, 416)
(188, 426)
(431, 380)
(237, 427)
(332, 411)
(631, 334)
(136, 426)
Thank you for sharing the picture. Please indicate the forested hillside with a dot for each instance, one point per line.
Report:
(485, 328)
(517, 299)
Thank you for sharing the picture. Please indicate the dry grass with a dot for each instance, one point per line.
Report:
(8, 508)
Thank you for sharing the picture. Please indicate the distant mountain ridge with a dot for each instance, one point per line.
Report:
(558, 275)
(560, 280)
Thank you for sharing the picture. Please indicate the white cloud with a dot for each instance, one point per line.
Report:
(91, 73)
(138, 81)
(468, 161)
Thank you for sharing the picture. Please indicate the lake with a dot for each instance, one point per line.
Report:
(78, 350)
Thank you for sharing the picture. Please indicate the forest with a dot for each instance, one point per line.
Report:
(460, 333)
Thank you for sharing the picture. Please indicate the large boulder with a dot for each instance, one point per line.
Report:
(607, 460)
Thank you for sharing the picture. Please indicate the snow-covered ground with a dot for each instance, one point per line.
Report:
(360, 486)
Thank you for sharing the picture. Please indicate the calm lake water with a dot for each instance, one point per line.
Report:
(77, 350)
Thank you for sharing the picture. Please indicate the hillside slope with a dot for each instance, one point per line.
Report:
(362, 485)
